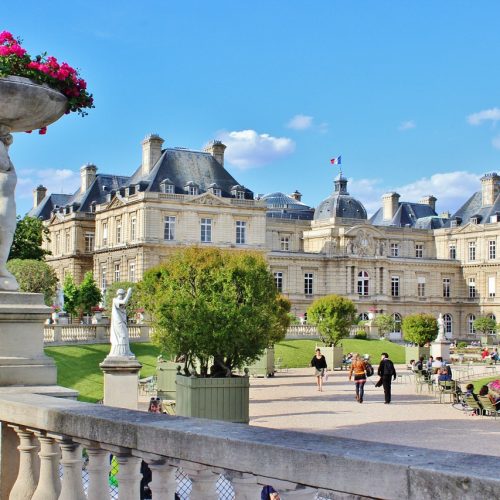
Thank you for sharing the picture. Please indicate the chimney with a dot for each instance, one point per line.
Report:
(151, 152)
(296, 195)
(390, 204)
(429, 200)
(87, 176)
(38, 195)
(216, 149)
(489, 188)
(445, 215)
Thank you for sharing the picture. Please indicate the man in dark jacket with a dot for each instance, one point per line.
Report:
(387, 373)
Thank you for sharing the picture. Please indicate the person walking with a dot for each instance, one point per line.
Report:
(319, 364)
(358, 369)
(387, 373)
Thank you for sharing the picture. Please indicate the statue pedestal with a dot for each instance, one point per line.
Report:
(441, 348)
(22, 359)
(121, 381)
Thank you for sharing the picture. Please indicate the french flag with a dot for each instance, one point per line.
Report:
(336, 161)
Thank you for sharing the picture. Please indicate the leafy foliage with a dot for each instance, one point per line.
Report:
(28, 237)
(385, 323)
(70, 295)
(34, 276)
(420, 329)
(132, 305)
(89, 294)
(210, 304)
(485, 325)
(333, 315)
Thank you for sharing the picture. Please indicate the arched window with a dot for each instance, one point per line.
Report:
(363, 280)
(397, 322)
(470, 324)
(363, 317)
(494, 318)
(448, 325)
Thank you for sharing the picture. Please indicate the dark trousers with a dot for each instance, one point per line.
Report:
(386, 383)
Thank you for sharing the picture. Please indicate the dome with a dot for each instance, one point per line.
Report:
(282, 206)
(340, 204)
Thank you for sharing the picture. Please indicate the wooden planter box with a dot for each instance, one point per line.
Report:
(166, 372)
(333, 356)
(215, 398)
(264, 366)
(416, 352)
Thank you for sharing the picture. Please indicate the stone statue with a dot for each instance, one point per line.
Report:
(60, 296)
(8, 180)
(440, 322)
(118, 329)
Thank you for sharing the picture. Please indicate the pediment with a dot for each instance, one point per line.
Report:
(364, 229)
(467, 228)
(116, 203)
(209, 199)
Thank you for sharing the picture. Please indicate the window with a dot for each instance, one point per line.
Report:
(67, 242)
(193, 190)
(169, 228)
(472, 288)
(57, 243)
(285, 243)
(494, 318)
(363, 317)
(395, 286)
(206, 230)
(470, 324)
(133, 228)
(394, 249)
(472, 250)
(446, 287)
(448, 325)
(397, 322)
(421, 286)
(363, 280)
(241, 228)
(89, 242)
(104, 234)
(308, 283)
(166, 187)
(278, 280)
(492, 249)
(491, 286)
(117, 272)
(103, 278)
(419, 250)
(452, 251)
(216, 192)
(118, 232)
(240, 195)
(131, 271)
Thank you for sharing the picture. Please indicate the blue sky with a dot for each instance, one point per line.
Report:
(407, 92)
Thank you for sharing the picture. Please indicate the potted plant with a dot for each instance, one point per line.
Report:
(97, 314)
(333, 316)
(217, 310)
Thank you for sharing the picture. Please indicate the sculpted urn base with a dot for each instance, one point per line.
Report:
(441, 348)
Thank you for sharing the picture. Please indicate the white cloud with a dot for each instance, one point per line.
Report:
(495, 142)
(55, 180)
(452, 190)
(300, 122)
(492, 115)
(248, 149)
(407, 125)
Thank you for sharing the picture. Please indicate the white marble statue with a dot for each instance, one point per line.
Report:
(118, 330)
(8, 180)
(60, 297)
(441, 336)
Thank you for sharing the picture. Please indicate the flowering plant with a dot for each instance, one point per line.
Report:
(15, 61)
(495, 385)
(97, 309)
(55, 308)
(140, 310)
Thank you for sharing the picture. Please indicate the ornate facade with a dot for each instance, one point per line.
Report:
(404, 259)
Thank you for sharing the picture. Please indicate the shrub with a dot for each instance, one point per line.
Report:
(420, 329)
(361, 335)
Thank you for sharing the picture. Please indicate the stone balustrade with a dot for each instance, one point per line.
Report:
(42, 435)
(302, 332)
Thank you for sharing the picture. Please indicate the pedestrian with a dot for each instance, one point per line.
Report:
(387, 373)
(269, 493)
(319, 364)
(358, 369)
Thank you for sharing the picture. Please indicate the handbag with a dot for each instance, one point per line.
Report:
(379, 382)
(325, 376)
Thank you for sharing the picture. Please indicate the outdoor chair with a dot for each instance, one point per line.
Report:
(447, 387)
(422, 380)
(488, 407)
(278, 365)
(147, 385)
(168, 407)
(472, 405)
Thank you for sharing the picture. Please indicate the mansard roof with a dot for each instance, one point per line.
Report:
(183, 166)
(473, 208)
(407, 214)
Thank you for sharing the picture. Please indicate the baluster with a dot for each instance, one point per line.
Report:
(204, 482)
(72, 486)
(27, 477)
(98, 469)
(245, 486)
(163, 484)
(129, 476)
(49, 485)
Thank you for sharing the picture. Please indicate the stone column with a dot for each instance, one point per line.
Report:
(204, 482)
(27, 477)
(163, 484)
(129, 477)
(121, 381)
(49, 485)
(72, 487)
(98, 469)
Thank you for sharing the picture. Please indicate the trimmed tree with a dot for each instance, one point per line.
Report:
(34, 276)
(28, 237)
(485, 325)
(420, 329)
(333, 316)
(88, 295)
(70, 291)
(212, 305)
(385, 323)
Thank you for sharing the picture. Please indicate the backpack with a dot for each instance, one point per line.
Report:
(369, 369)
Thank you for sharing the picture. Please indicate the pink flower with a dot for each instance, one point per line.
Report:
(33, 65)
(17, 50)
(43, 131)
(5, 36)
(4, 51)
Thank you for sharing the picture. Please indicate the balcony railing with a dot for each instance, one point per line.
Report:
(43, 437)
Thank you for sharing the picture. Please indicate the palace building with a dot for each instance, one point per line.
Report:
(404, 259)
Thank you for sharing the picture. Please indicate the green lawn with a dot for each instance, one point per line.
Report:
(482, 381)
(78, 366)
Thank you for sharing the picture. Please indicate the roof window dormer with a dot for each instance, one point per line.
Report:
(215, 189)
(192, 188)
(167, 186)
(238, 192)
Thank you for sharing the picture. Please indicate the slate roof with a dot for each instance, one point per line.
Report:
(281, 206)
(407, 214)
(473, 208)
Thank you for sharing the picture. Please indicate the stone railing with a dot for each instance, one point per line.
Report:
(302, 332)
(40, 434)
(89, 334)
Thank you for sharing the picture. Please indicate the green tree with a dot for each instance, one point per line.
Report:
(132, 305)
(28, 237)
(385, 323)
(420, 328)
(485, 325)
(207, 303)
(70, 295)
(333, 316)
(89, 294)
(34, 276)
